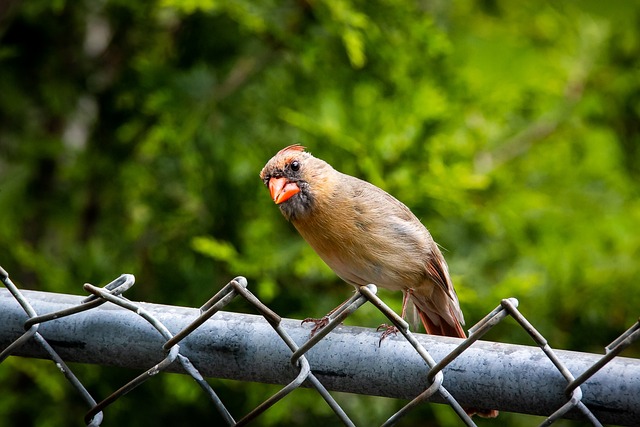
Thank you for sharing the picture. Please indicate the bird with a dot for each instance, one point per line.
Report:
(366, 236)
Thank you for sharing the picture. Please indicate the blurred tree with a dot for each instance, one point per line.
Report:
(132, 133)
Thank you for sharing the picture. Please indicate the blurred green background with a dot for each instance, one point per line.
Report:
(132, 134)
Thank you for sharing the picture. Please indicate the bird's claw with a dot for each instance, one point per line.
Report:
(318, 324)
(387, 331)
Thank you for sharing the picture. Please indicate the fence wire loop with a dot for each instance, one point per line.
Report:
(32, 333)
(612, 350)
(625, 340)
(116, 287)
(302, 371)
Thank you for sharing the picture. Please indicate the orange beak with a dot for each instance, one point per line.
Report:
(281, 190)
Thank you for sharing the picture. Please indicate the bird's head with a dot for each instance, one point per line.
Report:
(293, 176)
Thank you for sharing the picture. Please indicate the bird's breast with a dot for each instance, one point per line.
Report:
(362, 247)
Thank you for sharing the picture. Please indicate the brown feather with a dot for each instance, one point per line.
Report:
(368, 236)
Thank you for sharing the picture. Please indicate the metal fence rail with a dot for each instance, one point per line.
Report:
(266, 348)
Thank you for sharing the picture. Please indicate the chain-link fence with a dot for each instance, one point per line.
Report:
(267, 348)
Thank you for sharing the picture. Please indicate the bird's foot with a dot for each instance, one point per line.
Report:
(317, 324)
(387, 331)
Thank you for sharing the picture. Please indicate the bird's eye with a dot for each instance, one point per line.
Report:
(295, 166)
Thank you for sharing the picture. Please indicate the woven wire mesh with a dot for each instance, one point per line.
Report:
(237, 288)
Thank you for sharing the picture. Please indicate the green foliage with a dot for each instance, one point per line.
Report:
(132, 134)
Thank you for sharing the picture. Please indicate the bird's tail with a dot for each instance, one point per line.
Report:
(441, 315)
(440, 326)
(438, 311)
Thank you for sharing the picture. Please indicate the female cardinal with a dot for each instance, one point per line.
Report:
(365, 235)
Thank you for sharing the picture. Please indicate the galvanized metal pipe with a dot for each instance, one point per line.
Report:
(245, 347)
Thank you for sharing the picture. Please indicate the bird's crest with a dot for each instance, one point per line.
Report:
(291, 148)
